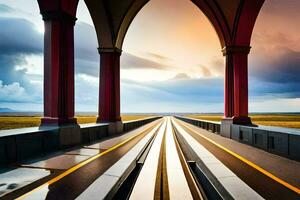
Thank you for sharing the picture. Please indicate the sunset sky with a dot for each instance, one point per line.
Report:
(171, 59)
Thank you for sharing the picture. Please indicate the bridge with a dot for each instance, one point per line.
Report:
(163, 157)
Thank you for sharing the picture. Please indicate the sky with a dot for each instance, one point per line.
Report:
(171, 61)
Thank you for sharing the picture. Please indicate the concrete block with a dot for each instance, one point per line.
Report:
(294, 147)
(51, 141)
(235, 132)
(3, 156)
(278, 143)
(218, 128)
(84, 132)
(195, 122)
(200, 124)
(103, 132)
(246, 135)
(29, 145)
(93, 133)
(115, 128)
(211, 127)
(205, 125)
(69, 135)
(11, 149)
(260, 138)
(226, 127)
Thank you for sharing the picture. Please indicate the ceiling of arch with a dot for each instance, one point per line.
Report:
(112, 18)
(229, 8)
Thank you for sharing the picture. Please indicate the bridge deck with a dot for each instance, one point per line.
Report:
(166, 159)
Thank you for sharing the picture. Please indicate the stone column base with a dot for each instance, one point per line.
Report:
(68, 135)
(246, 121)
(226, 127)
(115, 128)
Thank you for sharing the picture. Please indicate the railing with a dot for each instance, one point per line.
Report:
(26, 143)
(214, 127)
(129, 125)
(281, 141)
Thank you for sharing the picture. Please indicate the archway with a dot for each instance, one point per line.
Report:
(171, 53)
(233, 23)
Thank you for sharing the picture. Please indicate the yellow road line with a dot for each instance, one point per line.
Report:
(265, 172)
(78, 166)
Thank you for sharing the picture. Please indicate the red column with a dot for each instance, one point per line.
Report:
(228, 85)
(109, 89)
(58, 68)
(238, 56)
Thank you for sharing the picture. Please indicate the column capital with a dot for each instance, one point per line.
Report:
(58, 16)
(236, 49)
(109, 50)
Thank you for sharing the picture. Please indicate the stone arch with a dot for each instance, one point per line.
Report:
(233, 21)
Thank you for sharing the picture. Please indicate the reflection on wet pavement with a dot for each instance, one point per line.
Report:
(59, 162)
(9, 182)
(111, 142)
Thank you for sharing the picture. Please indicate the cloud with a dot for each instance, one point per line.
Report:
(217, 66)
(274, 74)
(19, 36)
(84, 96)
(202, 90)
(264, 41)
(21, 45)
(14, 48)
(173, 95)
(5, 9)
(86, 44)
(285, 8)
(11, 92)
(87, 56)
(181, 76)
(205, 71)
(14, 92)
(129, 61)
(281, 66)
(158, 57)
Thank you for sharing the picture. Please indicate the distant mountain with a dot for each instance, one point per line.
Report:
(6, 110)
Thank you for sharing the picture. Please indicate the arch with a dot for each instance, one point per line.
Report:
(246, 18)
(213, 16)
(127, 19)
(233, 21)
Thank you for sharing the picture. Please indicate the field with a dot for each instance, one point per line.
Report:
(11, 122)
(282, 120)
